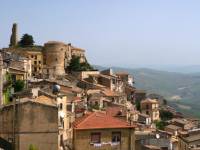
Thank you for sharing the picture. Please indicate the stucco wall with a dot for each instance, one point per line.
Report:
(33, 122)
(82, 139)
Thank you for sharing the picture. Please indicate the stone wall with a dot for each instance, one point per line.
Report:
(33, 122)
(54, 58)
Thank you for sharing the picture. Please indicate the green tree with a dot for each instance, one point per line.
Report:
(75, 65)
(160, 125)
(137, 103)
(164, 102)
(32, 147)
(19, 85)
(26, 40)
(166, 115)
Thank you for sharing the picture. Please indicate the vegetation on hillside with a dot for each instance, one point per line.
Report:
(32, 147)
(160, 124)
(165, 115)
(170, 85)
(9, 84)
(7, 88)
(19, 85)
(76, 65)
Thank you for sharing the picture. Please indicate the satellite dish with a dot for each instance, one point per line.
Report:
(62, 114)
(157, 136)
(56, 88)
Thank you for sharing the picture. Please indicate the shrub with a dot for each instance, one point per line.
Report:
(19, 85)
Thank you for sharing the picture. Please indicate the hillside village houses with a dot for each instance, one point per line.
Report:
(46, 105)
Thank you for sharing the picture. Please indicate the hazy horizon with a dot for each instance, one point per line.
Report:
(114, 33)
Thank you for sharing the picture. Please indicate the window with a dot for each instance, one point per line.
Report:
(39, 62)
(31, 56)
(95, 137)
(69, 108)
(116, 136)
(35, 62)
(35, 56)
(147, 112)
(70, 124)
(147, 106)
(61, 106)
(113, 81)
(35, 69)
(61, 139)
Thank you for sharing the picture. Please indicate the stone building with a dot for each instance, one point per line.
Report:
(50, 60)
(57, 56)
(150, 107)
(100, 131)
(65, 116)
(189, 140)
(34, 54)
(126, 78)
(54, 58)
(28, 121)
(14, 38)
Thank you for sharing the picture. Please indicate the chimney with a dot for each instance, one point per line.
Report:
(1, 79)
(14, 36)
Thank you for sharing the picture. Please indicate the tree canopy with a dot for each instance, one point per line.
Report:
(19, 85)
(26, 40)
(166, 115)
(76, 65)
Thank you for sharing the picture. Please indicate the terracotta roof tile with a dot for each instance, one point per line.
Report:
(109, 93)
(99, 120)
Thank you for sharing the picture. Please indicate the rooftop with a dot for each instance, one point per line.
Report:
(110, 93)
(173, 127)
(122, 73)
(149, 101)
(100, 120)
(181, 121)
(192, 138)
(76, 48)
(45, 100)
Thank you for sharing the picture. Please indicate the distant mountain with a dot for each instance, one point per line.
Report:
(179, 69)
(181, 90)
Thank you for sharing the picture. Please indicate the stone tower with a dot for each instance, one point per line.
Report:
(1, 79)
(14, 38)
(54, 58)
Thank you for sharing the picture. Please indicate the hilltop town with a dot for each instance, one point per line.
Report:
(52, 98)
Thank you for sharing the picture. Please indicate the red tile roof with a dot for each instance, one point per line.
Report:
(99, 120)
(77, 99)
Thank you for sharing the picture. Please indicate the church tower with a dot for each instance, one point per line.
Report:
(14, 36)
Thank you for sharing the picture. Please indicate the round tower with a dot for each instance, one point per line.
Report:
(54, 58)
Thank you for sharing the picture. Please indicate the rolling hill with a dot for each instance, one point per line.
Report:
(181, 90)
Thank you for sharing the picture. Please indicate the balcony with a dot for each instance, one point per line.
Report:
(105, 145)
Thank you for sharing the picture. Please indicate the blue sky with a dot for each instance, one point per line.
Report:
(114, 32)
